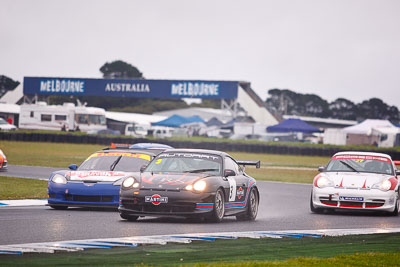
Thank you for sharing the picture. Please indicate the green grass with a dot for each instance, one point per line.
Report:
(46, 154)
(282, 175)
(22, 188)
(282, 160)
(361, 250)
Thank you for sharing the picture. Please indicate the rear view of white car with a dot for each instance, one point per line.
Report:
(357, 181)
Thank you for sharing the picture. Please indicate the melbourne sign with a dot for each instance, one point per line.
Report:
(131, 88)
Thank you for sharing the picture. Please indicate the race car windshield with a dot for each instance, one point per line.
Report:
(114, 163)
(350, 163)
(186, 163)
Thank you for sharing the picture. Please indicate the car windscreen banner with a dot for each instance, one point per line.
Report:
(360, 157)
(123, 154)
(191, 156)
(139, 88)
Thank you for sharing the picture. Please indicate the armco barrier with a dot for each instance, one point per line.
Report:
(223, 146)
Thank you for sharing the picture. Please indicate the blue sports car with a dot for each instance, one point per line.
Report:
(96, 182)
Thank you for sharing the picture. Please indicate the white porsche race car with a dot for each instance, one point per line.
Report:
(357, 181)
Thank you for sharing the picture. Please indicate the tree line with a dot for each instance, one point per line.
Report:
(287, 102)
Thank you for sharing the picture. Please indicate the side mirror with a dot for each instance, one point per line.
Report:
(143, 168)
(321, 169)
(73, 167)
(229, 172)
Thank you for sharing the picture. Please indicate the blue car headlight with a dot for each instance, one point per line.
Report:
(59, 179)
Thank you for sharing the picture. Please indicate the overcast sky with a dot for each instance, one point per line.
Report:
(332, 48)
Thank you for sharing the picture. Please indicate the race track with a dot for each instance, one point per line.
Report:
(282, 207)
(41, 173)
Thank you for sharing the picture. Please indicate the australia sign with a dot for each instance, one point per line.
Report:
(131, 88)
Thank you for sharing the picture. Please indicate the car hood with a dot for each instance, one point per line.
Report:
(168, 180)
(96, 176)
(354, 179)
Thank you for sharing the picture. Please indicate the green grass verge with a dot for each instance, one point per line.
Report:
(22, 188)
(46, 154)
(362, 250)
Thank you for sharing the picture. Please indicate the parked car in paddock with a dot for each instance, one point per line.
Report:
(96, 182)
(191, 183)
(5, 126)
(3, 161)
(357, 181)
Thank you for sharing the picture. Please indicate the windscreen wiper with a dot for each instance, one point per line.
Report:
(201, 170)
(112, 166)
(348, 165)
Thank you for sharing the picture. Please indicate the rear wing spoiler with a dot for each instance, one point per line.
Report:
(249, 162)
(396, 162)
(116, 145)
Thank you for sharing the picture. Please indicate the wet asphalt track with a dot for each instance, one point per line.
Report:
(282, 207)
(42, 173)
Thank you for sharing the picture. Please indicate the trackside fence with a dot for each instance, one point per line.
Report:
(223, 146)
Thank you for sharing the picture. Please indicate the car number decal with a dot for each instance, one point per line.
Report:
(232, 188)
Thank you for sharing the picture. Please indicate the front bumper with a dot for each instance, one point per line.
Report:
(179, 203)
(80, 194)
(355, 199)
(3, 164)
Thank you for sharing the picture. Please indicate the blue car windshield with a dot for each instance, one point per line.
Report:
(126, 162)
(177, 162)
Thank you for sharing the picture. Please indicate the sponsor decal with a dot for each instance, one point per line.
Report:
(156, 199)
(241, 204)
(128, 87)
(195, 89)
(351, 198)
(97, 174)
(66, 86)
(240, 193)
(361, 157)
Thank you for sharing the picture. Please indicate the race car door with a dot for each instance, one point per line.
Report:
(236, 194)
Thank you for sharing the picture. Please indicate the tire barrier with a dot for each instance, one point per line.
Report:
(223, 146)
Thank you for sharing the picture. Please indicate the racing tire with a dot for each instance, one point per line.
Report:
(396, 209)
(130, 218)
(219, 207)
(252, 207)
(314, 209)
(59, 207)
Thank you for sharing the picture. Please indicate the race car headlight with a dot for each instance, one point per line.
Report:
(200, 185)
(130, 182)
(59, 179)
(385, 185)
(197, 186)
(323, 182)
